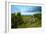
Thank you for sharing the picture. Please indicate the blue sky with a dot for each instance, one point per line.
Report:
(25, 9)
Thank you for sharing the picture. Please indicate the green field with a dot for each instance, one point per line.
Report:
(25, 21)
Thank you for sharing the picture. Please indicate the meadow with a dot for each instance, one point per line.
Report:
(25, 21)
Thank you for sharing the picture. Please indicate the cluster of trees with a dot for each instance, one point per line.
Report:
(16, 20)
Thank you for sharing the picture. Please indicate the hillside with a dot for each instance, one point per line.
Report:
(25, 21)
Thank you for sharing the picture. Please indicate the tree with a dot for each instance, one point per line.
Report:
(19, 19)
(13, 21)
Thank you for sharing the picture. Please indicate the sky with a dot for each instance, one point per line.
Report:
(25, 9)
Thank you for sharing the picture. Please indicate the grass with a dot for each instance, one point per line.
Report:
(28, 21)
